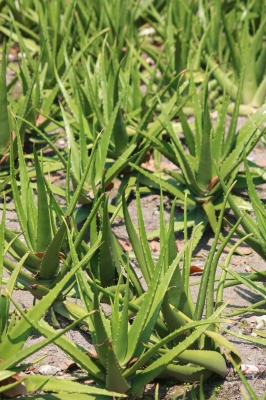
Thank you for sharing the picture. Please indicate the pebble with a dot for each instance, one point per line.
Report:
(48, 370)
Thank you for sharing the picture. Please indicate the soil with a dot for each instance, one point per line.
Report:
(239, 296)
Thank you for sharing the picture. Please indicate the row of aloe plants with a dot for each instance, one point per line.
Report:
(167, 331)
(91, 89)
(154, 339)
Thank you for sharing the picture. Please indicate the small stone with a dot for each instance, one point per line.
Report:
(48, 370)
(248, 369)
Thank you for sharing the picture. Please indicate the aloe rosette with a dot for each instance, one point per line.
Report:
(206, 147)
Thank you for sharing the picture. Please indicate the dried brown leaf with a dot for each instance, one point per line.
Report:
(92, 353)
(195, 270)
(212, 182)
(68, 365)
(18, 390)
(109, 187)
(245, 251)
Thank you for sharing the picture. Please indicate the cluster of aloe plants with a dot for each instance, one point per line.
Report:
(117, 88)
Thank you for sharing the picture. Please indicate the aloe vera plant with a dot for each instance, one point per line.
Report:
(23, 107)
(245, 36)
(123, 348)
(206, 148)
(46, 243)
(16, 327)
(177, 307)
(257, 226)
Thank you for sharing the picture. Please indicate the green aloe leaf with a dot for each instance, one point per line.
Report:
(107, 265)
(142, 377)
(135, 242)
(204, 173)
(13, 343)
(44, 233)
(104, 143)
(114, 378)
(4, 119)
(144, 322)
(50, 262)
(37, 382)
(120, 343)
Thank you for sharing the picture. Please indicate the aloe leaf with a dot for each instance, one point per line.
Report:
(25, 110)
(37, 383)
(234, 51)
(104, 143)
(5, 298)
(259, 96)
(218, 138)
(217, 337)
(185, 373)
(260, 65)
(44, 234)
(2, 246)
(143, 237)
(247, 223)
(163, 231)
(153, 370)
(233, 124)
(185, 166)
(114, 378)
(171, 316)
(163, 147)
(225, 82)
(204, 173)
(82, 180)
(255, 121)
(119, 164)
(92, 98)
(22, 329)
(178, 224)
(135, 242)
(251, 339)
(119, 129)
(52, 336)
(107, 266)
(74, 154)
(174, 190)
(143, 324)
(189, 136)
(101, 335)
(258, 208)
(203, 358)
(20, 203)
(50, 262)
(198, 118)
(66, 396)
(247, 282)
(4, 119)
(159, 345)
(120, 342)
(250, 86)
(231, 164)
(250, 391)
(210, 266)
